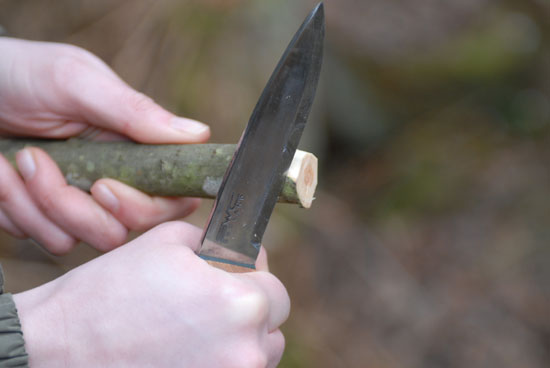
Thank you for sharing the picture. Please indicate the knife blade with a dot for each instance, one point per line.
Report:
(255, 176)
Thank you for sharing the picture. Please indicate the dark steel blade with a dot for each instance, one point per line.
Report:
(255, 176)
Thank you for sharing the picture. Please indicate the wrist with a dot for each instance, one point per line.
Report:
(42, 323)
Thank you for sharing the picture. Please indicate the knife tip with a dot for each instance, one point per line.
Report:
(318, 13)
(319, 9)
(315, 19)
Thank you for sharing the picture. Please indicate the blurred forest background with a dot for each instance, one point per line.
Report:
(429, 242)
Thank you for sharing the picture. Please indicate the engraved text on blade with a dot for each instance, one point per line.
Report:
(231, 214)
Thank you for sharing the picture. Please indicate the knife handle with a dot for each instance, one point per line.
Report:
(229, 267)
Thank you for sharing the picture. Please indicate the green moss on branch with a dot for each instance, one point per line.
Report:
(165, 170)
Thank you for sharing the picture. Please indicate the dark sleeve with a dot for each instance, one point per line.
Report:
(12, 345)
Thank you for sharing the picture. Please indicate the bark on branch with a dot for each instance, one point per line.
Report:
(165, 170)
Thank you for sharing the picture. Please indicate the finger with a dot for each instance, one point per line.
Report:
(18, 206)
(135, 209)
(111, 104)
(261, 261)
(174, 232)
(277, 296)
(275, 347)
(8, 226)
(70, 208)
(57, 129)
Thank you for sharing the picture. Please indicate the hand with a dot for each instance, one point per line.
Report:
(57, 91)
(154, 303)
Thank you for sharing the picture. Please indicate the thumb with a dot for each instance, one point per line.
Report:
(104, 100)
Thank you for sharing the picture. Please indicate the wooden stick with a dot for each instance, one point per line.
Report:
(165, 170)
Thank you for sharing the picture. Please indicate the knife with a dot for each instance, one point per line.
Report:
(255, 176)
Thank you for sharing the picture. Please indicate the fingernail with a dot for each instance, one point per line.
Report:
(189, 126)
(107, 199)
(26, 164)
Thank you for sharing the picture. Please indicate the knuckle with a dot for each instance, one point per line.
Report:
(66, 69)
(175, 228)
(139, 105)
(70, 65)
(116, 239)
(252, 358)
(47, 201)
(69, 50)
(140, 102)
(180, 227)
(7, 184)
(109, 238)
(278, 345)
(5, 193)
(77, 52)
(248, 305)
(170, 227)
(106, 245)
(60, 247)
(282, 293)
(15, 233)
(141, 221)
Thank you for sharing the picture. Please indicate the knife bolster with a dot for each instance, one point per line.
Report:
(229, 267)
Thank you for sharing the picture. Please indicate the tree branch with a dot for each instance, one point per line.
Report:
(194, 170)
